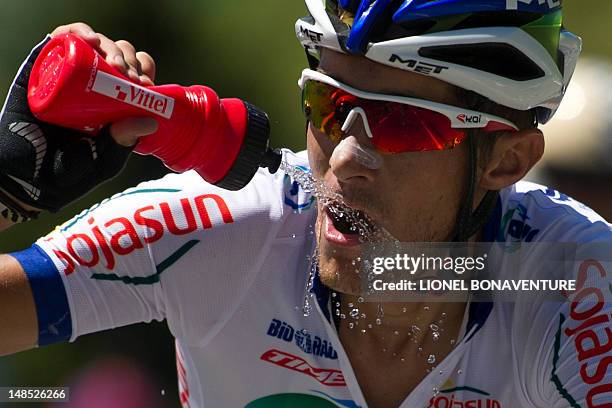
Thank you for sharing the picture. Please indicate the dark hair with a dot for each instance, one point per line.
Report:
(486, 140)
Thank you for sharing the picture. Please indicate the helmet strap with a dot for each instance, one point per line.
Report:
(468, 221)
(313, 62)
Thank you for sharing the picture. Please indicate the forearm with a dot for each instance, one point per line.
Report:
(18, 321)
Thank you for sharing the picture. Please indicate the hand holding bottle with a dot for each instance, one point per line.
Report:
(225, 140)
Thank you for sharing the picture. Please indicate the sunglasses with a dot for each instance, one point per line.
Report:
(394, 124)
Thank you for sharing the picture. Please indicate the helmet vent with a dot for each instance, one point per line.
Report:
(495, 58)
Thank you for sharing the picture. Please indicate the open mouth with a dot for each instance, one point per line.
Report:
(346, 226)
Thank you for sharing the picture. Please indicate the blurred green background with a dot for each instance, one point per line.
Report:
(239, 48)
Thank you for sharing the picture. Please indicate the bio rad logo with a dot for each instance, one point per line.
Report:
(133, 94)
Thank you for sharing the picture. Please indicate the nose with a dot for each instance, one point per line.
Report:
(354, 158)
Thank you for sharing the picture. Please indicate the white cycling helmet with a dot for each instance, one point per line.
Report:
(513, 52)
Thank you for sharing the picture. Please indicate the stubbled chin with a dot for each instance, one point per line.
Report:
(336, 269)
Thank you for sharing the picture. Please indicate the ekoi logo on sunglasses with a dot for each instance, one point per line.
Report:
(474, 119)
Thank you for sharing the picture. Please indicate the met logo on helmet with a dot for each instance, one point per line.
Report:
(311, 35)
(513, 4)
(463, 118)
(418, 66)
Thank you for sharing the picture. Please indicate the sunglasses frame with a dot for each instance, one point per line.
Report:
(460, 118)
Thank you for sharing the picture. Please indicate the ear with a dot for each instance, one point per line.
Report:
(513, 155)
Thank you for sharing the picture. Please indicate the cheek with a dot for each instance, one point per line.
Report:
(320, 149)
(431, 185)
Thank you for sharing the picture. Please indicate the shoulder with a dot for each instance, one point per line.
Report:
(556, 339)
(531, 212)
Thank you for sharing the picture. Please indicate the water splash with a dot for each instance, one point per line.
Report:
(308, 295)
(360, 222)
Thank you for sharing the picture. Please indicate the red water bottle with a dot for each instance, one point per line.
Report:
(224, 140)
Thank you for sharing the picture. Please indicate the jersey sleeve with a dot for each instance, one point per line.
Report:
(177, 248)
(563, 349)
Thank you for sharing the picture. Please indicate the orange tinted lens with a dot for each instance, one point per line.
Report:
(396, 127)
(319, 108)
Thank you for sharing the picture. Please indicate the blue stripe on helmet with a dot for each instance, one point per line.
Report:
(368, 13)
(413, 10)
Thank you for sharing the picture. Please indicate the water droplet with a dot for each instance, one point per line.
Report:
(314, 266)
(380, 312)
(369, 325)
(435, 390)
(293, 235)
(420, 349)
(426, 308)
(415, 329)
(363, 315)
(396, 333)
(337, 312)
(402, 359)
(435, 336)
(452, 341)
(443, 314)
(163, 392)
(441, 372)
(363, 331)
(404, 310)
(351, 325)
(360, 299)
(434, 327)
(384, 350)
(378, 322)
(342, 316)
(354, 313)
(460, 371)
(350, 305)
(304, 331)
(337, 304)
(334, 294)
(431, 359)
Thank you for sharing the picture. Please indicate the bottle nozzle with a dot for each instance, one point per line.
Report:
(272, 160)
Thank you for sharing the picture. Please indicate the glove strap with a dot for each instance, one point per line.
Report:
(13, 212)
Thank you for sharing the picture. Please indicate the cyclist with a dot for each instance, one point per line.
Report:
(422, 119)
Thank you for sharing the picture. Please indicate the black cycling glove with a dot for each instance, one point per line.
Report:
(47, 166)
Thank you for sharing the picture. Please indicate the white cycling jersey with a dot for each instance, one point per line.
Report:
(228, 270)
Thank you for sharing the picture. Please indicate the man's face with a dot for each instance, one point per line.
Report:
(415, 196)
